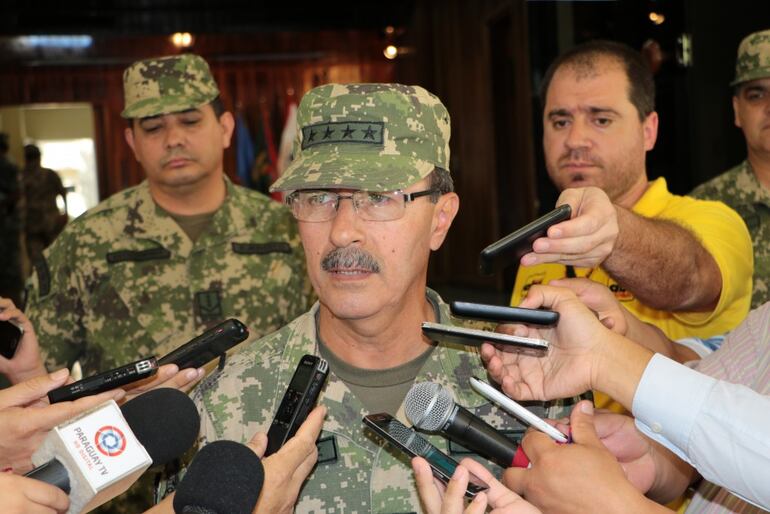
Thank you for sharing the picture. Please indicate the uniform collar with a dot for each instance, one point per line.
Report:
(145, 219)
(449, 365)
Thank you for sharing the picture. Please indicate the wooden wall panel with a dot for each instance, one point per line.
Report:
(451, 56)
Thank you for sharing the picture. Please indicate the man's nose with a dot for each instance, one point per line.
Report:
(578, 135)
(174, 135)
(346, 225)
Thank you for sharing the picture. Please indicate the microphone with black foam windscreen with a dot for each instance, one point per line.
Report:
(165, 421)
(430, 407)
(225, 477)
(100, 453)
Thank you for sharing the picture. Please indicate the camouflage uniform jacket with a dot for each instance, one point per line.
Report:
(740, 189)
(356, 472)
(124, 282)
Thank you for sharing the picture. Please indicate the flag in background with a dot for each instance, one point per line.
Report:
(263, 172)
(245, 152)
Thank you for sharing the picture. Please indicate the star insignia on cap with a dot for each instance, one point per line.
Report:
(348, 132)
(311, 136)
(369, 134)
(328, 132)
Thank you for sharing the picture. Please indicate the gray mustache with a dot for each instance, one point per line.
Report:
(349, 258)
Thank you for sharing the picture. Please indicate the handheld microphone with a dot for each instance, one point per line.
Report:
(225, 477)
(100, 453)
(430, 407)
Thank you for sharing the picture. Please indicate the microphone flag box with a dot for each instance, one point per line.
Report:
(100, 453)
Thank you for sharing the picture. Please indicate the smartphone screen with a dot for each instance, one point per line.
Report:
(10, 335)
(413, 444)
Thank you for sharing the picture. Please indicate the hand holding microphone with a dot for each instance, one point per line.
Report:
(98, 455)
(22, 495)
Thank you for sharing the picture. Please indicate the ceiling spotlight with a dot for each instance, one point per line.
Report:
(390, 52)
(182, 39)
(389, 29)
(657, 18)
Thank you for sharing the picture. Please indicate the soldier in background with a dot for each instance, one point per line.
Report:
(10, 224)
(42, 186)
(746, 187)
(157, 264)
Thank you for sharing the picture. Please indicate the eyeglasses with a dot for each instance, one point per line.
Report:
(317, 206)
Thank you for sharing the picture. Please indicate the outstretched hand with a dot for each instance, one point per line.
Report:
(566, 370)
(587, 239)
(287, 469)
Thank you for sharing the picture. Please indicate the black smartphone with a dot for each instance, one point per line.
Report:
(504, 314)
(208, 346)
(474, 337)
(299, 399)
(413, 444)
(10, 335)
(510, 249)
(105, 381)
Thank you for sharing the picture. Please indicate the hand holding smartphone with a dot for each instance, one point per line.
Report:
(472, 337)
(510, 249)
(10, 336)
(504, 314)
(411, 443)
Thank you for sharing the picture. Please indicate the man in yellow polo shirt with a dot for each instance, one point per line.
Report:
(681, 264)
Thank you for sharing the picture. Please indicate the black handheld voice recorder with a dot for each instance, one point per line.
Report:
(298, 401)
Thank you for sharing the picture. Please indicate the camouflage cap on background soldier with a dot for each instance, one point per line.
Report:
(377, 137)
(168, 84)
(753, 60)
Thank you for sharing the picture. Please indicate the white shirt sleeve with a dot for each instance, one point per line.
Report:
(702, 347)
(721, 429)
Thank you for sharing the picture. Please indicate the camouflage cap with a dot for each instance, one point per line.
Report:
(377, 137)
(167, 84)
(753, 58)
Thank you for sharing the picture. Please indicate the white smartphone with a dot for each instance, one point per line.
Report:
(513, 408)
(473, 337)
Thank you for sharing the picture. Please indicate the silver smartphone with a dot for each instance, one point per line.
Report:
(474, 337)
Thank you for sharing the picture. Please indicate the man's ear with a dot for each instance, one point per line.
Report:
(738, 122)
(650, 128)
(128, 133)
(443, 215)
(228, 125)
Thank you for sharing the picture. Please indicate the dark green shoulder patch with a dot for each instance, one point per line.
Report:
(261, 248)
(43, 276)
(150, 254)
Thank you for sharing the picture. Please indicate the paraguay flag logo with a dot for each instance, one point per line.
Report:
(110, 441)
